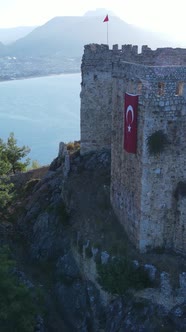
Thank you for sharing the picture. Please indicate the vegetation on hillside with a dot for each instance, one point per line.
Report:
(11, 156)
(157, 142)
(18, 304)
(14, 155)
(73, 146)
(33, 165)
(120, 274)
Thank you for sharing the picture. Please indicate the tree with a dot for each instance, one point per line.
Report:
(4, 163)
(5, 185)
(14, 154)
(34, 165)
(19, 304)
(10, 162)
(6, 192)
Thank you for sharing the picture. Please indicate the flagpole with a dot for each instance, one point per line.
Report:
(107, 33)
(106, 20)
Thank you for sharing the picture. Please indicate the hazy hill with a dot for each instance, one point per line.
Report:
(67, 36)
(2, 47)
(10, 35)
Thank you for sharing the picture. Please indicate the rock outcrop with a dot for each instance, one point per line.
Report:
(65, 226)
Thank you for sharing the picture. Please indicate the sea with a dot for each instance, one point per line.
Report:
(41, 112)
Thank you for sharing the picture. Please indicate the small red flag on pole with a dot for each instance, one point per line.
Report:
(106, 19)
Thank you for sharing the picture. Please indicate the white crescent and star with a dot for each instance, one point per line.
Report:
(129, 109)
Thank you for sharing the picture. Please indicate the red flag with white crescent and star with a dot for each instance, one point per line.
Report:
(106, 19)
(130, 123)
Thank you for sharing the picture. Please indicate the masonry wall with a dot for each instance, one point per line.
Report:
(179, 236)
(96, 102)
(126, 169)
(162, 173)
(143, 186)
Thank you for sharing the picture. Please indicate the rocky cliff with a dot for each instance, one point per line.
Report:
(66, 239)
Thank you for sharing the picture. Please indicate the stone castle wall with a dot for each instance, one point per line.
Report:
(162, 173)
(96, 102)
(126, 169)
(142, 186)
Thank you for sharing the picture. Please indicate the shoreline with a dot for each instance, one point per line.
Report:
(37, 76)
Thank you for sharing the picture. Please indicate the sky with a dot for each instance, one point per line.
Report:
(158, 15)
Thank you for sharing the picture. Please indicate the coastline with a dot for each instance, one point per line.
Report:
(38, 76)
(41, 112)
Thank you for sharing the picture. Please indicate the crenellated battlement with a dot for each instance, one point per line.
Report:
(160, 57)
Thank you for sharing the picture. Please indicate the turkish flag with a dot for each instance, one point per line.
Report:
(106, 19)
(130, 123)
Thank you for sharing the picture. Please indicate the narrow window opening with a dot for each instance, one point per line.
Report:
(179, 88)
(129, 87)
(118, 100)
(139, 88)
(161, 88)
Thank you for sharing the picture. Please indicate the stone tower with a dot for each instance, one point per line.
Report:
(96, 98)
(148, 190)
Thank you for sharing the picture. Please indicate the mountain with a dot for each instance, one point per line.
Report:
(67, 36)
(10, 35)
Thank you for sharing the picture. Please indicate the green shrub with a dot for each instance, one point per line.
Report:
(18, 305)
(119, 275)
(6, 191)
(88, 252)
(70, 146)
(60, 209)
(118, 247)
(63, 213)
(30, 185)
(80, 247)
(156, 142)
(158, 250)
(73, 146)
(180, 190)
(34, 165)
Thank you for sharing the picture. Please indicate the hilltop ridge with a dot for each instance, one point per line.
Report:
(57, 46)
(68, 34)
